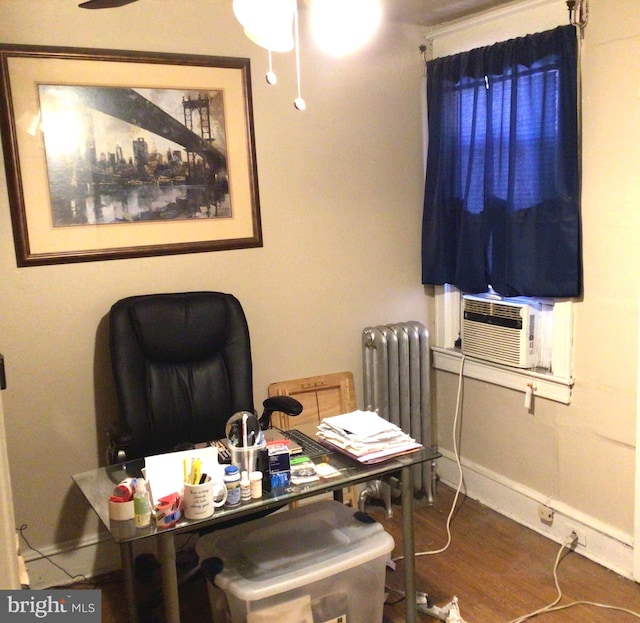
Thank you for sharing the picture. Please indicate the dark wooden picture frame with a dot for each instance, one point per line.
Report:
(112, 154)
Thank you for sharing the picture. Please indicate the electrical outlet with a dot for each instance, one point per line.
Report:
(580, 535)
(545, 513)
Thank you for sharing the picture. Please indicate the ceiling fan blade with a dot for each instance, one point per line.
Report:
(104, 4)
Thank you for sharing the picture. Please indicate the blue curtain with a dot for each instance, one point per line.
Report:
(502, 204)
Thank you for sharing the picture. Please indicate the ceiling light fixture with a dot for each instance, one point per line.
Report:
(338, 26)
(268, 23)
(273, 25)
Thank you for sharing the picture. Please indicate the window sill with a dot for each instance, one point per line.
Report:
(544, 385)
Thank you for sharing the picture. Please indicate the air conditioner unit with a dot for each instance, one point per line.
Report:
(499, 330)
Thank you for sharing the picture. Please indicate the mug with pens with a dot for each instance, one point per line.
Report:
(201, 495)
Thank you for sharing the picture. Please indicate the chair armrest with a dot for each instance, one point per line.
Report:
(284, 404)
(120, 437)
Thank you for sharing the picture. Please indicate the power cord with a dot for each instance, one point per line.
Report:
(451, 612)
(569, 545)
(458, 463)
(73, 578)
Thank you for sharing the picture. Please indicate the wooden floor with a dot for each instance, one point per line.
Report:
(498, 570)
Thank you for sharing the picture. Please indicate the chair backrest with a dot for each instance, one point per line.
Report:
(321, 396)
(182, 366)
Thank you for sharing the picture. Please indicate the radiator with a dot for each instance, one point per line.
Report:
(396, 361)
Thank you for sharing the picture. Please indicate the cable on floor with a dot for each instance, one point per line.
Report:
(455, 497)
(74, 578)
(458, 463)
(554, 607)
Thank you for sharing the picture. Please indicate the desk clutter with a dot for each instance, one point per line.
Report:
(249, 462)
(192, 484)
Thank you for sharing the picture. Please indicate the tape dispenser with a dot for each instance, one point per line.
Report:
(167, 510)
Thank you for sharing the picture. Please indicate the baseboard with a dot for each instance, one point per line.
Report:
(91, 556)
(600, 542)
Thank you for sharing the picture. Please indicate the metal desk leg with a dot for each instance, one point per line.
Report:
(126, 558)
(408, 546)
(167, 553)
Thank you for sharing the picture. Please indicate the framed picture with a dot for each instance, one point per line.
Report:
(113, 154)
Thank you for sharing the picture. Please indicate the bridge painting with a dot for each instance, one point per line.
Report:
(126, 155)
(114, 154)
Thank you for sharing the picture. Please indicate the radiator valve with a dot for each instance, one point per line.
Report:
(377, 490)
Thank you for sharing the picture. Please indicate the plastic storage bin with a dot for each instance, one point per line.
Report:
(319, 563)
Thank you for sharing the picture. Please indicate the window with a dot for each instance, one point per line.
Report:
(501, 201)
(488, 135)
(502, 193)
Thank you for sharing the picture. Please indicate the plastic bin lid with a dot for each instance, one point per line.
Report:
(294, 548)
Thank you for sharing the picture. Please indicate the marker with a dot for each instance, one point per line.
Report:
(195, 471)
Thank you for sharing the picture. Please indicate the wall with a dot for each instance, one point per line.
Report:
(10, 573)
(341, 193)
(579, 459)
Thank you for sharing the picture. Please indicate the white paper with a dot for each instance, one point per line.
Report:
(165, 472)
(361, 423)
(365, 435)
(293, 611)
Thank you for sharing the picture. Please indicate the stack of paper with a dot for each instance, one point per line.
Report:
(366, 436)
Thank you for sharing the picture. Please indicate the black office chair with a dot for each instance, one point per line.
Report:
(182, 366)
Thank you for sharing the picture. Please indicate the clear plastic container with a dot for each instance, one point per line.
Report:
(324, 553)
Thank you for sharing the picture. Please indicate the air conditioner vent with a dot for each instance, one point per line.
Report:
(493, 309)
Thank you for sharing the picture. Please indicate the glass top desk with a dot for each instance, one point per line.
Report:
(98, 484)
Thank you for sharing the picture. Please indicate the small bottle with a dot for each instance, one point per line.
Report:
(141, 505)
(245, 487)
(255, 478)
(232, 482)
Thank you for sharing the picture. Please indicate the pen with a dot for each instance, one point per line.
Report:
(245, 442)
(185, 472)
(203, 479)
